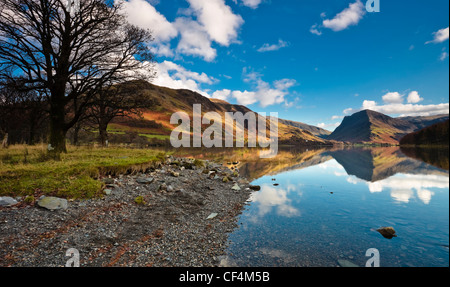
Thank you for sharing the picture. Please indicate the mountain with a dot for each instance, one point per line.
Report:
(156, 118)
(423, 122)
(318, 132)
(437, 134)
(376, 128)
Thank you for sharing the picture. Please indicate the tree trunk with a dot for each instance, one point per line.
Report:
(5, 141)
(76, 131)
(102, 127)
(57, 137)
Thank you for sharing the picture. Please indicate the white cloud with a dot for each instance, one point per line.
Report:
(162, 50)
(440, 36)
(394, 106)
(204, 22)
(284, 84)
(393, 98)
(222, 95)
(175, 76)
(251, 3)
(348, 17)
(144, 15)
(270, 198)
(245, 98)
(264, 93)
(336, 117)
(414, 97)
(218, 20)
(402, 110)
(402, 186)
(330, 126)
(273, 47)
(315, 30)
(443, 56)
(194, 40)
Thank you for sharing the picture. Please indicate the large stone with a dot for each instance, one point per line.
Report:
(387, 232)
(147, 180)
(346, 263)
(7, 201)
(53, 203)
(211, 216)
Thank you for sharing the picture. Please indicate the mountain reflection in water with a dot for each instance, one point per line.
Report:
(329, 202)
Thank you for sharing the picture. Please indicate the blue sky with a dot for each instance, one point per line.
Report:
(310, 61)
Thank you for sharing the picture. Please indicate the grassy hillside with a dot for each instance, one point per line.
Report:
(156, 119)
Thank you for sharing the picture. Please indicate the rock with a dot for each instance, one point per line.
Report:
(147, 180)
(7, 201)
(236, 187)
(211, 216)
(175, 174)
(108, 180)
(107, 191)
(170, 188)
(211, 174)
(346, 263)
(163, 187)
(387, 232)
(53, 203)
(255, 187)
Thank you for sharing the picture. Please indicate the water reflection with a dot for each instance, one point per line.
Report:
(330, 201)
(277, 200)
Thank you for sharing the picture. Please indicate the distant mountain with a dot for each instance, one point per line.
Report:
(376, 128)
(319, 132)
(437, 134)
(423, 122)
(166, 101)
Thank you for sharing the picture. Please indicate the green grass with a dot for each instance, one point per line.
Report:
(159, 137)
(26, 170)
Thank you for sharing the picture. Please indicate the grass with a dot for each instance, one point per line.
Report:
(26, 170)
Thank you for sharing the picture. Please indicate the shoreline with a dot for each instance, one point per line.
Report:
(155, 219)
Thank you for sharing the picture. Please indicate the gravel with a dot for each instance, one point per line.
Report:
(166, 227)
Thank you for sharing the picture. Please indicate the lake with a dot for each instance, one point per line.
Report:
(322, 208)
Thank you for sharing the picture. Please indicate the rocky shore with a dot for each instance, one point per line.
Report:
(176, 214)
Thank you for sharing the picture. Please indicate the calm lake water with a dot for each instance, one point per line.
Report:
(329, 203)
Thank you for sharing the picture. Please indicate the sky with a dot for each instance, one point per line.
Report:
(311, 61)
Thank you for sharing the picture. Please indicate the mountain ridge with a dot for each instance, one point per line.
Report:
(167, 101)
(372, 127)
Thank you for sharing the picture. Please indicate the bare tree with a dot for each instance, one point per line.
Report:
(115, 101)
(68, 55)
(22, 114)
